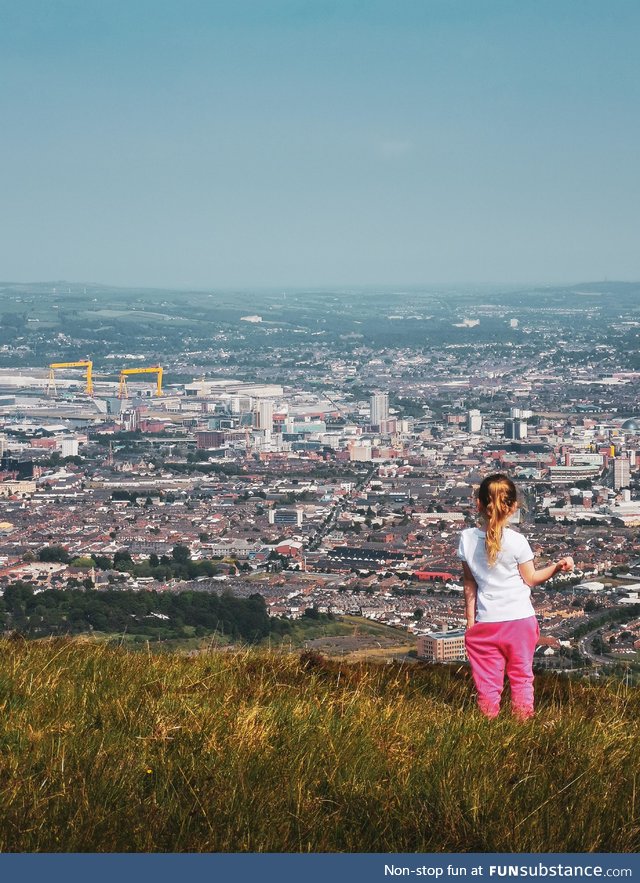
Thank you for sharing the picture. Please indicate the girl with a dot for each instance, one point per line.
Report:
(502, 628)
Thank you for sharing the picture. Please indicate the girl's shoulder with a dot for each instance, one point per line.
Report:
(514, 537)
(472, 532)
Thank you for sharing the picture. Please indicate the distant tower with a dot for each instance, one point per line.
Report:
(69, 447)
(621, 473)
(520, 429)
(474, 421)
(379, 408)
(515, 429)
(263, 415)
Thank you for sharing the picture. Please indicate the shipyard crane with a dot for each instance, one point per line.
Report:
(126, 372)
(53, 367)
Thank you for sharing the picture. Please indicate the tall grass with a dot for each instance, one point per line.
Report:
(107, 750)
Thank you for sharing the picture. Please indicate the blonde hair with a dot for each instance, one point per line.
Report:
(497, 495)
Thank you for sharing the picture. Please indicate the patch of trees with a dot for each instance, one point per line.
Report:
(151, 614)
(229, 468)
(54, 554)
(401, 592)
(632, 611)
(164, 567)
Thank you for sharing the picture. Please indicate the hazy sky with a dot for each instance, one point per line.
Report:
(317, 142)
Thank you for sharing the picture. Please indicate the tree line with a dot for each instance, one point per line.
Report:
(178, 565)
(151, 615)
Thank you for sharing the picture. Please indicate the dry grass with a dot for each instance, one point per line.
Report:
(109, 750)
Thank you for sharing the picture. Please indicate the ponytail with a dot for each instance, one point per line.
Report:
(497, 495)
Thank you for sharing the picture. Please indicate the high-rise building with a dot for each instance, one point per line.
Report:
(69, 447)
(264, 414)
(516, 429)
(520, 429)
(379, 405)
(474, 421)
(621, 473)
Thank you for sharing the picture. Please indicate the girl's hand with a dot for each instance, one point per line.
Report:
(566, 564)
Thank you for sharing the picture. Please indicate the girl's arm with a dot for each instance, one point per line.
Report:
(470, 594)
(533, 577)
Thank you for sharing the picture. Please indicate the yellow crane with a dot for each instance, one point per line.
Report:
(53, 367)
(126, 372)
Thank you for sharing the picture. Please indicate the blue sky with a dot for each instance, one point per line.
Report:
(319, 142)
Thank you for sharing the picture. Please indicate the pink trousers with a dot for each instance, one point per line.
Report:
(493, 647)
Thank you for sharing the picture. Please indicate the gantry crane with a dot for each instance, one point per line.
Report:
(87, 363)
(125, 372)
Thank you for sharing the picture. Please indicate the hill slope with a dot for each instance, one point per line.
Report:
(107, 750)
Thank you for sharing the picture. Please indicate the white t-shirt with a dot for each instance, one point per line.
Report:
(502, 593)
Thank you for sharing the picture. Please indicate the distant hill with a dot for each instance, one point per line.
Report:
(63, 321)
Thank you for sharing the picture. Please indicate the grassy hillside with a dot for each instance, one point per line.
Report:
(108, 750)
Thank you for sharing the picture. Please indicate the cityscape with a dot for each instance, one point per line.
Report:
(320, 449)
(285, 282)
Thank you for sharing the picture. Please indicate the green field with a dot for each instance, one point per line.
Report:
(104, 749)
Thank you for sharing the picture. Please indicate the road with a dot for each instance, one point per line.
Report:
(584, 645)
(336, 511)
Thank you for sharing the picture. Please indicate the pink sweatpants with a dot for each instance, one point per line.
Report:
(494, 646)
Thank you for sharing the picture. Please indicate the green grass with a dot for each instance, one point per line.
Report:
(306, 629)
(105, 749)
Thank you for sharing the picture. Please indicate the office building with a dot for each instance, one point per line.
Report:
(209, 439)
(69, 447)
(444, 646)
(515, 429)
(379, 405)
(474, 421)
(263, 415)
(621, 473)
(285, 516)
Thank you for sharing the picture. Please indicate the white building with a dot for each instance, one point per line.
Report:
(69, 447)
(263, 415)
(474, 421)
(379, 405)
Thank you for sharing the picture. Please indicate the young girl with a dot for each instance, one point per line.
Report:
(502, 628)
